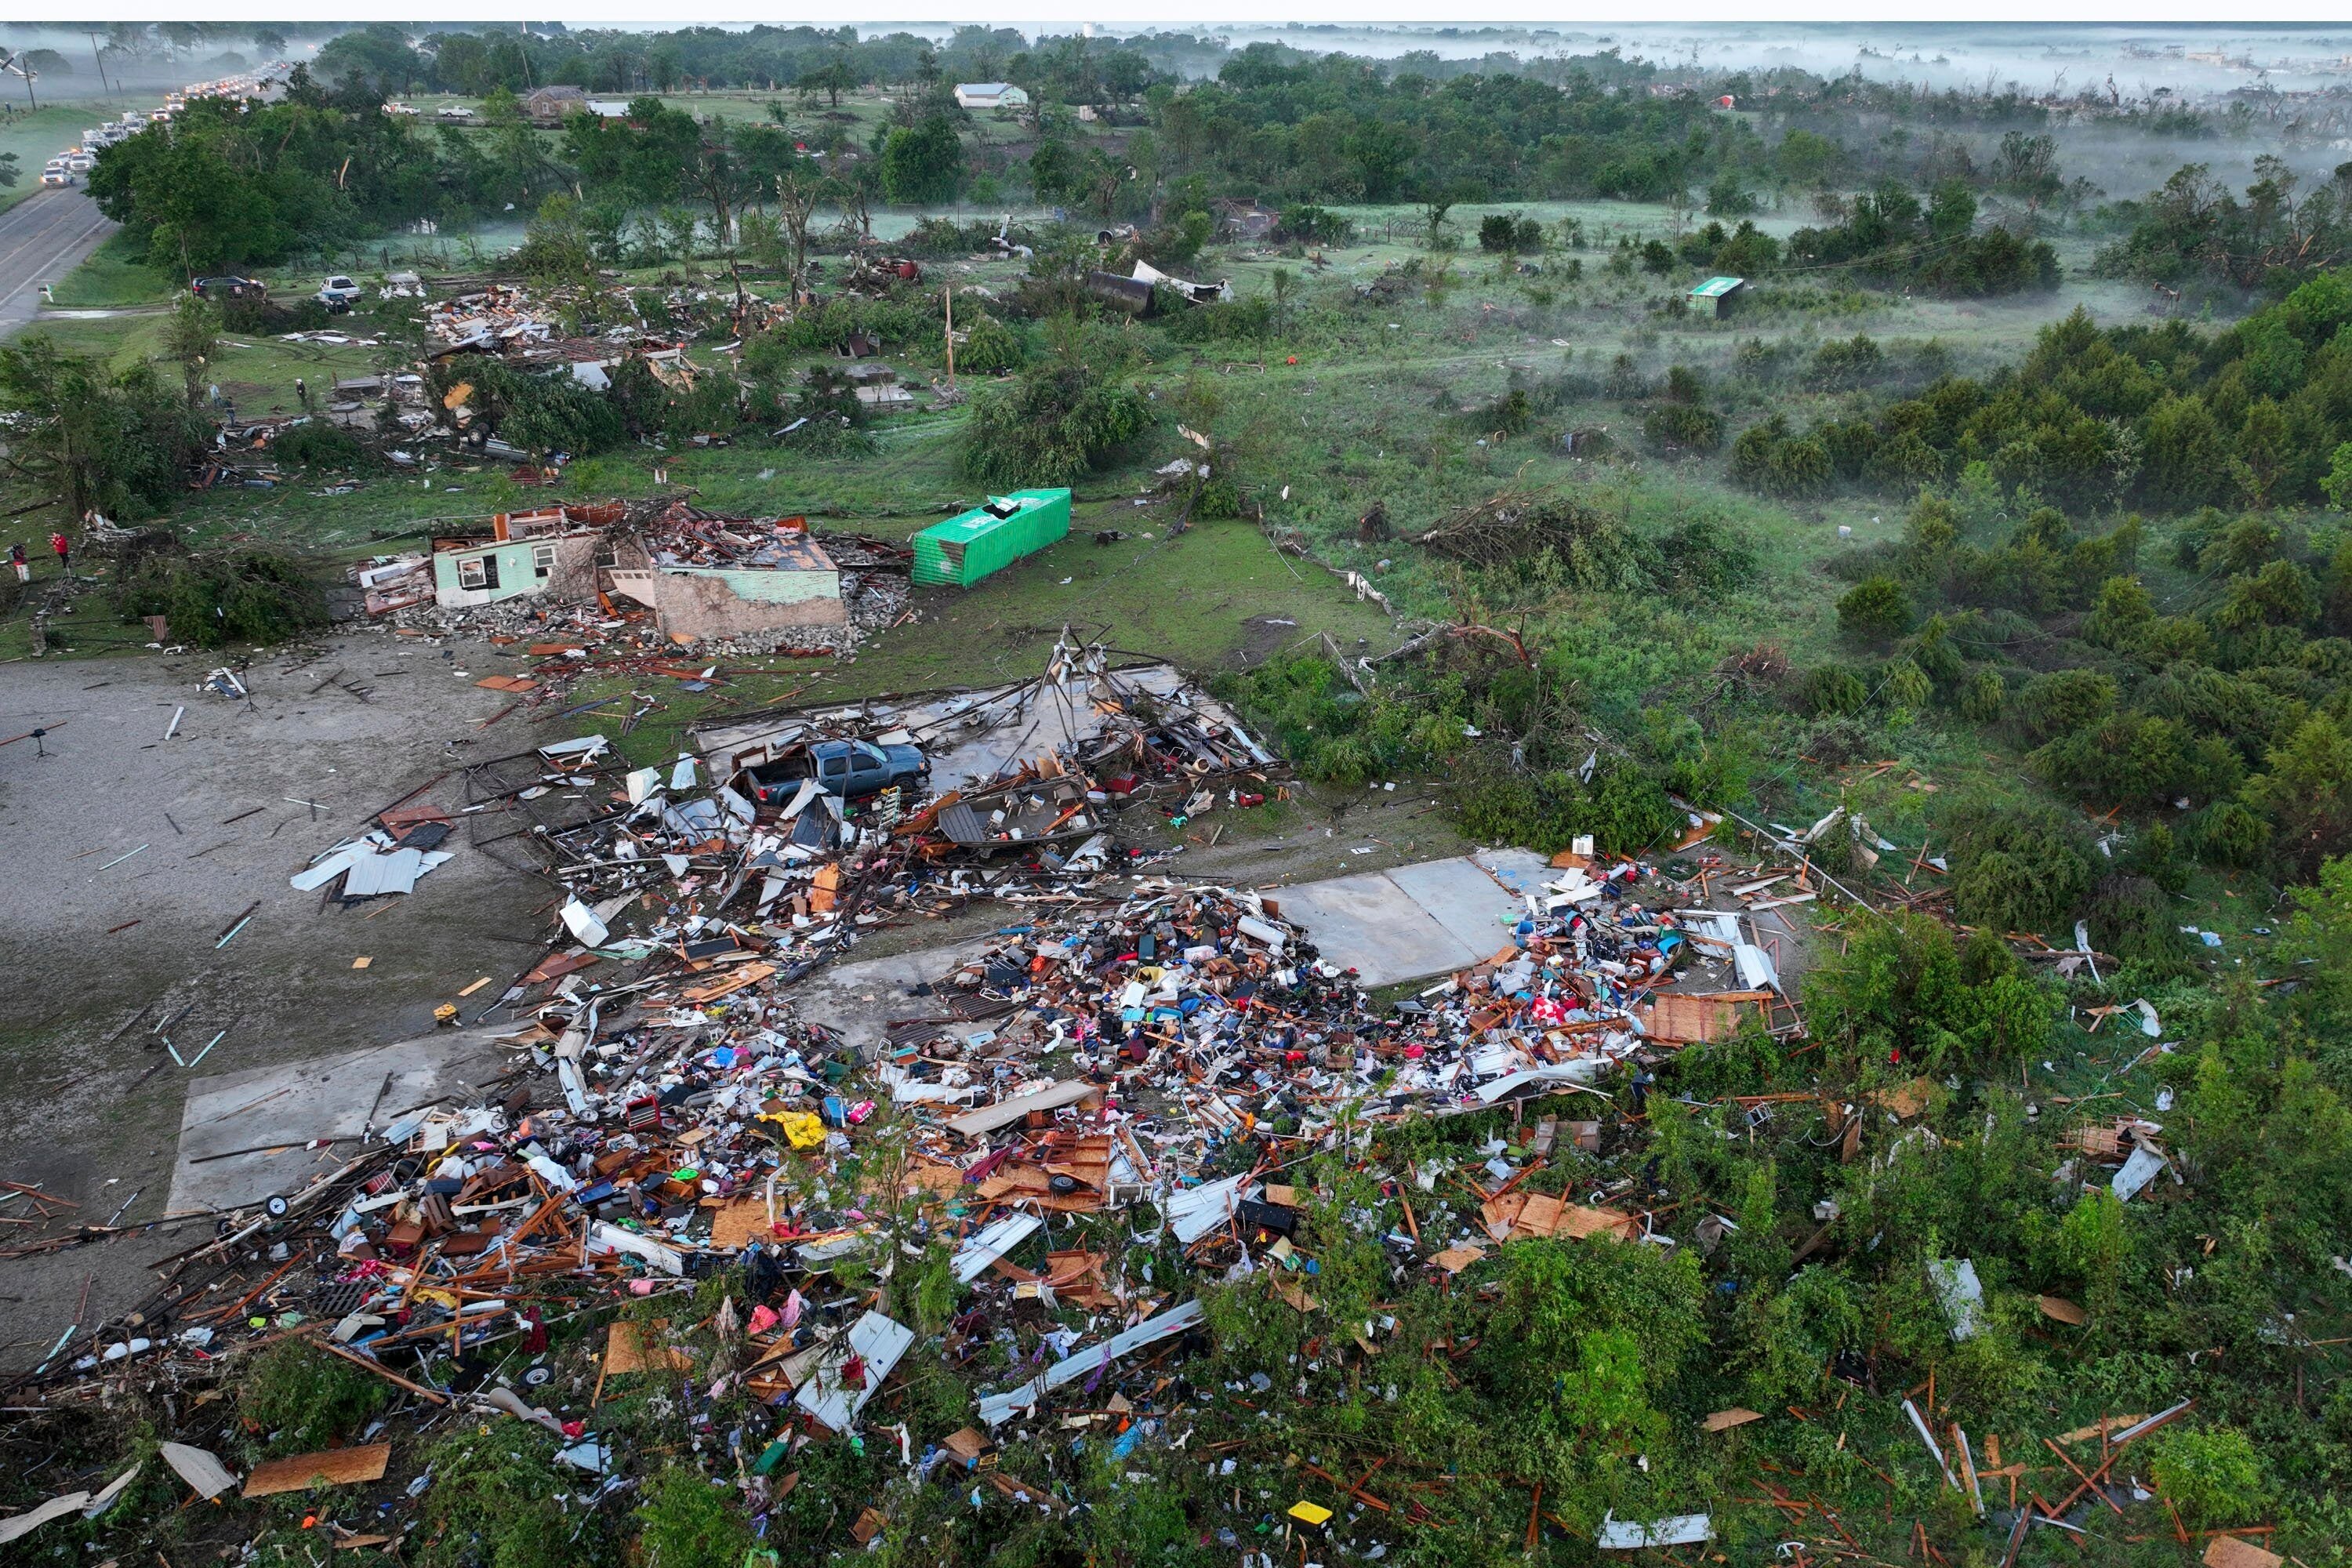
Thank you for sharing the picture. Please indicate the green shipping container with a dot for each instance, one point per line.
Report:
(987, 539)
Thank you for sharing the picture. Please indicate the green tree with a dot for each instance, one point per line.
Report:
(1057, 421)
(302, 1399)
(2064, 701)
(2306, 789)
(831, 80)
(2338, 482)
(923, 165)
(2264, 449)
(1875, 610)
(556, 248)
(1380, 154)
(691, 1523)
(91, 439)
(2187, 460)
(2211, 1474)
(191, 336)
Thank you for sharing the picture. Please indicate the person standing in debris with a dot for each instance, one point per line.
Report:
(17, 559)
(302, 394)
(63, 547)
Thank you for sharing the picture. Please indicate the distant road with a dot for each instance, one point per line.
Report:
(42, 238)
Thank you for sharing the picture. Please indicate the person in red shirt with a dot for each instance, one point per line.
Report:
(63, 547)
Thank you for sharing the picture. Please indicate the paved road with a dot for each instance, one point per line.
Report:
(42, 238)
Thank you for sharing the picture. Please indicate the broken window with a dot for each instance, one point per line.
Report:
(542, 559)
(478, 571)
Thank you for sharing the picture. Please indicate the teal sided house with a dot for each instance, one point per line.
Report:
(548, 554)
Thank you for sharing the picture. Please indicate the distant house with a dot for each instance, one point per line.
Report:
(990, 95)
(1242, 220)
(1718, 296)
(553, 102)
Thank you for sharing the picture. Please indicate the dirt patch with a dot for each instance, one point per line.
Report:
(130, 857)
(1261, 637)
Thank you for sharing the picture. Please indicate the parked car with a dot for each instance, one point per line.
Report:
(850, 769)
(228, 286)
(57, 175)
(80, 162)
(340, 294)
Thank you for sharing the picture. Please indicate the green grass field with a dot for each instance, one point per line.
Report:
(113, 276)
(1355, 398)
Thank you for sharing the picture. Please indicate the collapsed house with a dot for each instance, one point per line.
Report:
(707, 576)
(702, 575)
(686, 1095)
(1242, 219)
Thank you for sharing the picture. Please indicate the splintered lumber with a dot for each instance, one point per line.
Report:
(626, 1351)
(332, 1467)
(385, 1372)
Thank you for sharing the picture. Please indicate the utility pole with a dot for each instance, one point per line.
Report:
(97, 55)
(15, 62)
(948, 294)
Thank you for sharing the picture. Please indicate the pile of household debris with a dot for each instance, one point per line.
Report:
(1128, 1044)
(591, 582)
(1153, 1042)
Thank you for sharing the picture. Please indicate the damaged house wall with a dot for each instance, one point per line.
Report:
(549, 553)
(471, 571)
(729, 600)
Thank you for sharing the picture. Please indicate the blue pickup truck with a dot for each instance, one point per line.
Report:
(850, 769)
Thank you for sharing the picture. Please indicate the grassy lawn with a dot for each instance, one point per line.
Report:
(257, 372)
(112, 276)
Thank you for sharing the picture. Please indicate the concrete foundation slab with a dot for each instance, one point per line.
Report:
(1370, 924)
(1459, 895)
(856, 1000)
(243, 1134)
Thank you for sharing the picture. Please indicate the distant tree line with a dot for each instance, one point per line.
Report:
(2164, 416)
(2194, 227)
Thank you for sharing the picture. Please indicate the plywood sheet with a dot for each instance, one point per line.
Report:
(330, 1466)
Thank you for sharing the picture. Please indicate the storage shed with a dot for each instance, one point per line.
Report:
(987, 539)
(1718, 296)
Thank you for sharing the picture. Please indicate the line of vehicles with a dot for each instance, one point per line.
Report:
(68, 167)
